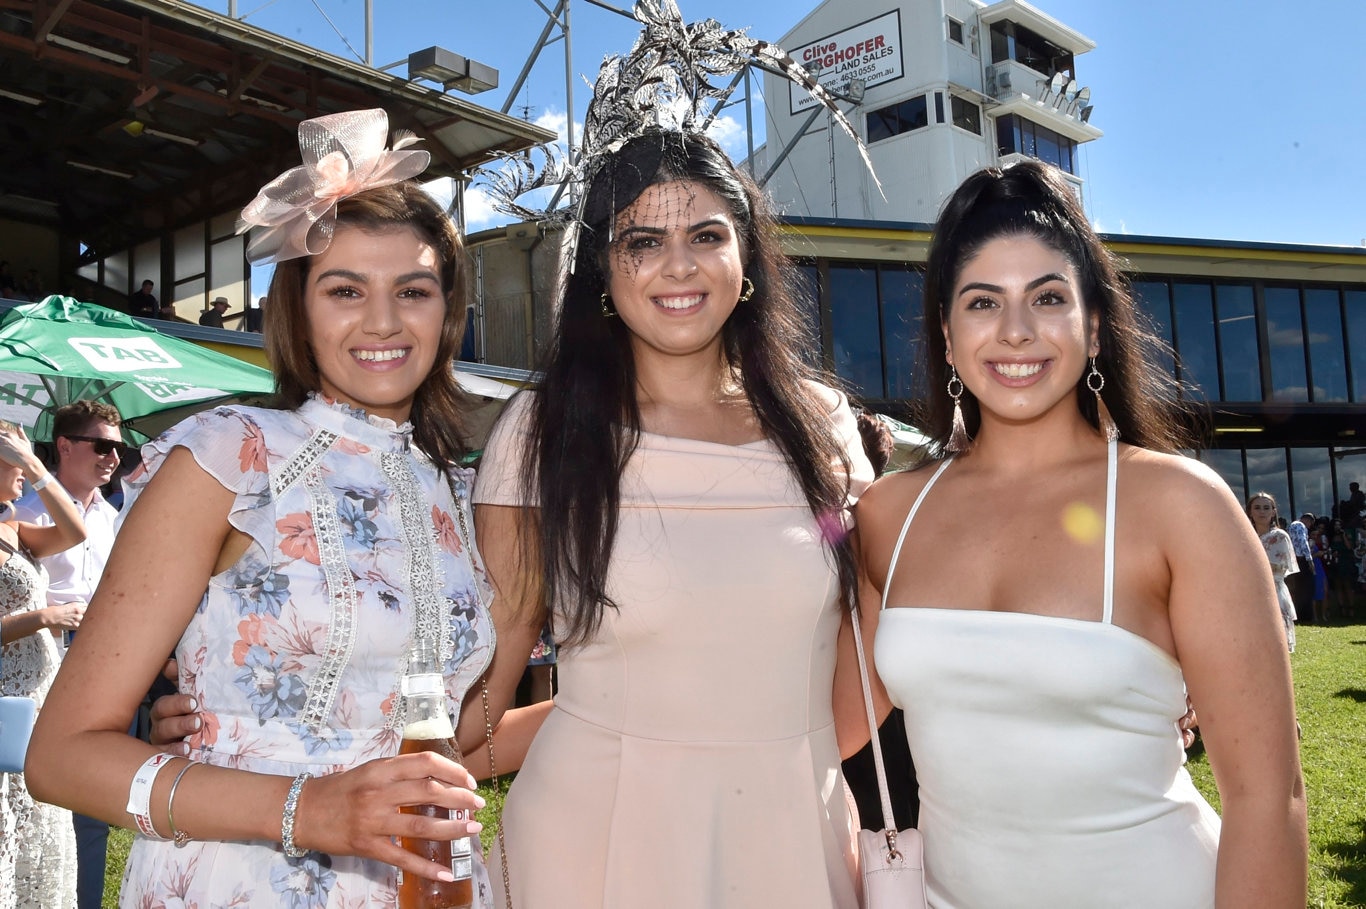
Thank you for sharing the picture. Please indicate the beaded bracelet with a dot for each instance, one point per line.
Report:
(180, 836)
(287, 819)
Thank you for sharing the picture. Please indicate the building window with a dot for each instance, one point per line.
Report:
(1015, 42)
(1327, 358)
(1195, 344)
(875, 324)
(1355, 309)
(1239, 355)
(1154, 299)
(1228, 463)
(1021, 136)
(1267, 471)
(896, 119)
(1285, 342)
(955, 30)
(966, 115)
(856, 336)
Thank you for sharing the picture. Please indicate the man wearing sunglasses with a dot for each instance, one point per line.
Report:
(88, 446)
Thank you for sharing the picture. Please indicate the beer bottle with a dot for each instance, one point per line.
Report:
(427, 727)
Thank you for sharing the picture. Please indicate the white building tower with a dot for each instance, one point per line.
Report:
(937, 89)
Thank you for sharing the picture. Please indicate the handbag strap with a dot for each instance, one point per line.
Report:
(888, 818)
(484, 693)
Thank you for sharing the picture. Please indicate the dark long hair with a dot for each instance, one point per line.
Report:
(1033, 199)
(438, 409)
(585, 423)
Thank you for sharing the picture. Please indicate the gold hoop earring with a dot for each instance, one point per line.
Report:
(747, 292)
(607, 311)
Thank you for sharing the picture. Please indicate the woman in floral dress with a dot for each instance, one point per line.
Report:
(37, 845)
(291, 558)
(1280, 551)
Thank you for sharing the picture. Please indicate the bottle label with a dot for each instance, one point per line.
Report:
(425, 685)
(462, 859)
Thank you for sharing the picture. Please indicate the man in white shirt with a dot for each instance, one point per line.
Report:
(87, 445)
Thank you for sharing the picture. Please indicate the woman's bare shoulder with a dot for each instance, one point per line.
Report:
(1177, 485)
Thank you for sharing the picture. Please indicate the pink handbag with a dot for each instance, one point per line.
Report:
(891, 861)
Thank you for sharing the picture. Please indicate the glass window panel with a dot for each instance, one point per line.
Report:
(1266, 472)
(882, 124)
(189, 252)
(1228, 463)
(189, 299)
(1312, 483)
(223, 226)
(1193, 306)
(1048, 147)
(146, 267)
(913, 114)
(854, 324)
(116, 276)
(227, 273)
(966, 115)
(1154, 301)
(1000, 43)
(1327, 359)
(807, 292)
(1285, 335)
(1238, 343)
(1354, 303)
(903, 293)
(1007, 135)
(955, 31)
(938, 107)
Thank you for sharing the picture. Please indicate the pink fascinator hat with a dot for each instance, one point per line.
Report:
(344, 154)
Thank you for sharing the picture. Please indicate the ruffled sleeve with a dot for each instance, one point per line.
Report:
(1281, 553)
(499, 481)
(230, 446)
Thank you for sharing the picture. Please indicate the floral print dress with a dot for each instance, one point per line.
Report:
(1280, 552)
(37, 843)
(295, 653)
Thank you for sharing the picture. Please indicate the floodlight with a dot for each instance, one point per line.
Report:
(1057, 82)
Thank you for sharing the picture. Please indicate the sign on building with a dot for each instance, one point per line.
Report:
(870, 51)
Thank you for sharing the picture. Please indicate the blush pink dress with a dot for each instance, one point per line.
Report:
(690, 760)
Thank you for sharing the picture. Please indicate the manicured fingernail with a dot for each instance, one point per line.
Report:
(196, 723)
(445, 875)
(478, 801)
(194, 704)
(474, 826)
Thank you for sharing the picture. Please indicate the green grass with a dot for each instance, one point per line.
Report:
(1330, 691)
(1330, 694)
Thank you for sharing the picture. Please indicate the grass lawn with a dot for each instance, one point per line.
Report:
(1330, 690)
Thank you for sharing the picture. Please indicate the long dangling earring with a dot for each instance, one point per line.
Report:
(1095, 381)
(747, 292)
(958, 436)
(607, 311)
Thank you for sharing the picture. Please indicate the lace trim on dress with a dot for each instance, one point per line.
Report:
(341, 591)
(294, 469)
(431, 612)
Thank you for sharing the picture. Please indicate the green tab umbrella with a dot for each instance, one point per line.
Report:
(60, 350)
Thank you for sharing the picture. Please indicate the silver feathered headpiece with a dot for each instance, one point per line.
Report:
(670, 82)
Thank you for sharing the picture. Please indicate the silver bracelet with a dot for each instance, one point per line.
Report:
(287, 819)
(180, 836)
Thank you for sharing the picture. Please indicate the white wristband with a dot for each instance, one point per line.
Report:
(42, 482)
(140, 793)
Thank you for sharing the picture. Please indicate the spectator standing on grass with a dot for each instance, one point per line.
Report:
(1301, 583)
(87, 443)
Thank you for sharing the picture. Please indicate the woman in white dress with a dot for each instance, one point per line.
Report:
(1053, 588)
(1280, 552)
(37, 845)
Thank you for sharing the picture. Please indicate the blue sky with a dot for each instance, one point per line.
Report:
(1223, 119)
